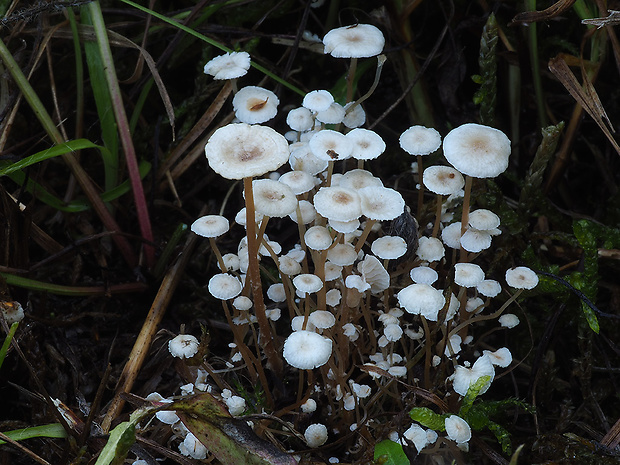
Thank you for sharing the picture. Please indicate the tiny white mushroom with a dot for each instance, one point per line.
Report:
(183, 346)
(307, 350)
(231, 65)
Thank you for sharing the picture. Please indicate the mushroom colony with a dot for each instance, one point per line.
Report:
(356, 305)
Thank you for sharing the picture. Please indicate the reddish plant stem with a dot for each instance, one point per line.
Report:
(266, 337)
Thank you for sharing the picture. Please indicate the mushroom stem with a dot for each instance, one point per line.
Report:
(351, 78)
(437, 215)
(360, 241)
(380, 61)
(266, 336)
(218, 255)
(421, 189)
(465, 214)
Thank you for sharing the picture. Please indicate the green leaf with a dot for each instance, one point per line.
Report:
(472, 393)
(426, 417)
(502, 435)
(53, 430)
(55, 151)
(121, 439)
(231, 440)
(390, 453)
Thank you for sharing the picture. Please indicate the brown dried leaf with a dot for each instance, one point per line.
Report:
(585, 95)
(554, 10)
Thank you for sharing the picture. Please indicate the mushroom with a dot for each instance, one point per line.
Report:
(307, 350)
(231, 65)
(468, 274)
(457, 429)
(254, 105)
(315, 435)
(183, 346)
(521, 277)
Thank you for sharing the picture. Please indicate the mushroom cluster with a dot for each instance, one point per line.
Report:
(352, 301)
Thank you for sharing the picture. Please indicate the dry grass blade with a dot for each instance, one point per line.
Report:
(611, 20)
(534, 16)
(585, 95)
(612, 438)
(143, 341)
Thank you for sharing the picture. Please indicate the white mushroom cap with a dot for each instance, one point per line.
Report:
(224, 286)
(393, 332)
(358, 179)
(354, 117)
(288, 266)
(300, 119)
(308, 212)
(240, 217)
(381, 203)
(508, 320)
(273, 198)
(307, 350)
(322, 319)
(475, 240)
(276, 292)
(334, 114)
(476, 150)
(374, 274)
(443, 180)
(332, 271)
(500, 358)
(12, 311)
(521, 277)
(474, 304)
(489, 288)
(420, 140)
(318, 238)
(422, 299)
(357, 41)
(330, 145)
(483, 219)
(236, 151)
(342, 254)
(210, 226)
(338, 203)
(318, 100)
(316, 435)
(183, 346)
(451, 235)
(417, 435)
(228, 66)
(298, 322)
(468, 274)
(254, 105)
(242, 303)
(389, 247)
(302, 159)
(367, 144)
(308, 406)
(192, 447)
(423, 275)
(333, 297)
(307, 284)
(464, 377)
(457, 429)
(299, 181)
(344, 226)
(430, 249)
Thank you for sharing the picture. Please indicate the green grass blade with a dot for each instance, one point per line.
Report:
(53, 430)
(214, 43)
(55, 151)
(7, 342)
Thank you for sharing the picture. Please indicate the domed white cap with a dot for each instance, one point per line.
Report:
(224, 286)
(318, 100)
(367, 144)
(338, 203)
(521, 277)
(210, 226)
(237, 151)
(476, 150)
(420, 140)
(316, 435)
(443, 180)
(307, 350)
(183, 346)
(273, 198)
(457, 429)
(381, 203)
(422, 299)
(357, 41)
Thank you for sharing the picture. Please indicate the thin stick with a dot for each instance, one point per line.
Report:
(143, 341)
